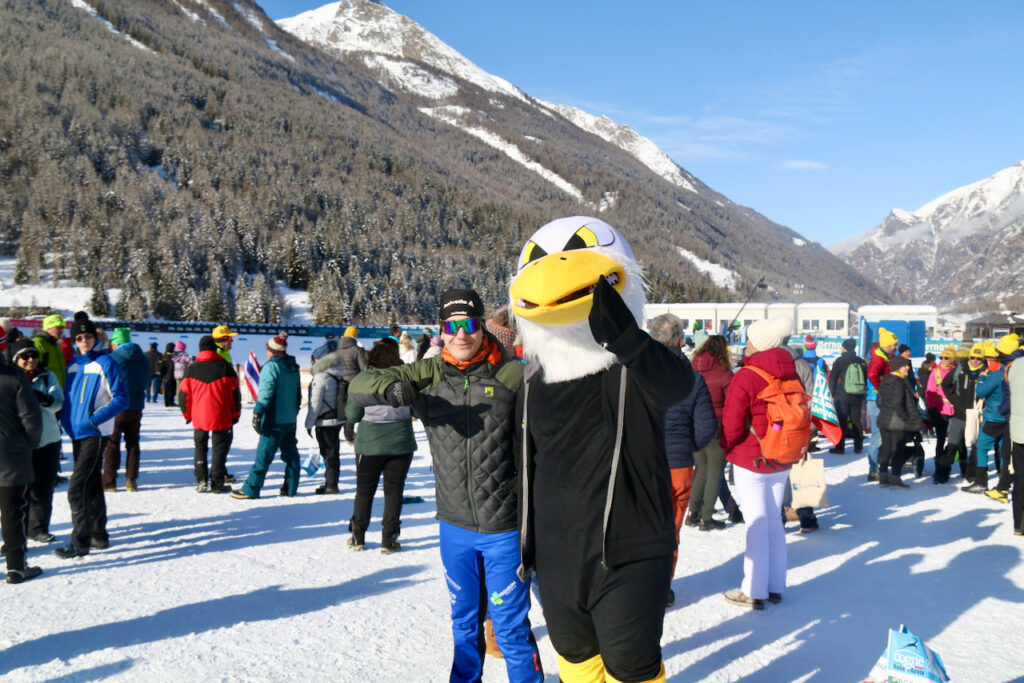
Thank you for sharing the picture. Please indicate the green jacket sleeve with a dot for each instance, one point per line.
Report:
(368, 387)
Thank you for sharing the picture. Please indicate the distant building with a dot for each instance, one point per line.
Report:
(993, 325)
(824, 319)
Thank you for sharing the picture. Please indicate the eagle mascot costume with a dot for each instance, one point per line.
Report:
(596, 516)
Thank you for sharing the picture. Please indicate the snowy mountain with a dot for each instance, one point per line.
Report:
(214, 161)
(410, 61)
(961, 247)
(395, 46)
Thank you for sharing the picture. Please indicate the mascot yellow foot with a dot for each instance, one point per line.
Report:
(592, 671)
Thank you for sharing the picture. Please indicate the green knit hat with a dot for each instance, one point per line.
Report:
(122, 335)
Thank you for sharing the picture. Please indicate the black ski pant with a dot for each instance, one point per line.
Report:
(940, 423)
(893, 453)
(129, 423)
(955, 448)
(1017, 453)
(329, 440)
(46, 464)
(169, 386)
(617, 613)
(369, 469)
(848, 411)
(221, 441)
(1005, 449)
(12, 525)
(85, 492)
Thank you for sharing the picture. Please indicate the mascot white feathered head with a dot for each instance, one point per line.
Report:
(552, 293)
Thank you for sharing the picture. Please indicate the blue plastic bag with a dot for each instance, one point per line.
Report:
(313, 464)
(907, 659)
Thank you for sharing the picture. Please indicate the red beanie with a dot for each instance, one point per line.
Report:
(809, 343)
(278, 343)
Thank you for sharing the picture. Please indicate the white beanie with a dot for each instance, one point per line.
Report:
(770, 333)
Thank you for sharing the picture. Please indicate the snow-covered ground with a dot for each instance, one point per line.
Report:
(205, 587)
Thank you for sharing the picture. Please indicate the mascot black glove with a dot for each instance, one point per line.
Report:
(45, 400)
(400, 394)
(609, 315)
(256, 419)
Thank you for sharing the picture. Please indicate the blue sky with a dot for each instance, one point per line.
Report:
(821, 116)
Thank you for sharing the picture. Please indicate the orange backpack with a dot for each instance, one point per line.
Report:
(788, 410)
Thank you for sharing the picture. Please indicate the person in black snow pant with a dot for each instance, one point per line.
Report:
(20, 428)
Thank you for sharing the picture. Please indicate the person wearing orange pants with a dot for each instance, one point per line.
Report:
(690, 425)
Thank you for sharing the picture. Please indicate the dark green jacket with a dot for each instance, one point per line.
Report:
(383, 430)
(469, 418)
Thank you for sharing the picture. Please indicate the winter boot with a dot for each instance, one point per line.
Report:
(736, 597)
(356, 541)
(389, 544)
(69, 551)
(19, 575)
(896, 483)
(883, 479)
(980, 484)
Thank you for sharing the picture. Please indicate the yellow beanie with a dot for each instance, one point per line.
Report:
(886, 338)
(351, 331)
(990, 349)
(948, 352)
(1008, 344)
(962, 352)
(978, 350)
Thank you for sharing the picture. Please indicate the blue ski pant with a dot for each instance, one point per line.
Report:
(480, 571)
(875, 444)
(990, 437)
(279, 437)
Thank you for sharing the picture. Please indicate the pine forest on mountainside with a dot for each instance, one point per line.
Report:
(195, 168)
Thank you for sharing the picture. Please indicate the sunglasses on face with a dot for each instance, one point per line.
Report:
(28, 355)
(84, 337)
(470, 325)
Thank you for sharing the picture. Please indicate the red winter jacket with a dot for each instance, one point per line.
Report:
(209, 395)
(715, 377)
(878, 367)
(743, 408)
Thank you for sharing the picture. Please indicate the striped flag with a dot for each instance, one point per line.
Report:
(252, 374)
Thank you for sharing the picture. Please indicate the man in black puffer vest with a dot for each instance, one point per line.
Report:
(466, 398)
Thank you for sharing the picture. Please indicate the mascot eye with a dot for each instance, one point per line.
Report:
(532, 252)
(583, 238)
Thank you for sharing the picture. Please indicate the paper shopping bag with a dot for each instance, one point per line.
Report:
(807, 478)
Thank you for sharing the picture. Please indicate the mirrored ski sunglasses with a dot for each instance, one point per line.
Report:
(470, 325)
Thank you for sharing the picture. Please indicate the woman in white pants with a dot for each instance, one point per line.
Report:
(759, 484)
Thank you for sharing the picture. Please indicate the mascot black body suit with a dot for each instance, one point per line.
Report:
(596, 517)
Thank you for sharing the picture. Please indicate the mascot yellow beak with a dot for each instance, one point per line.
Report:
(557, 289)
